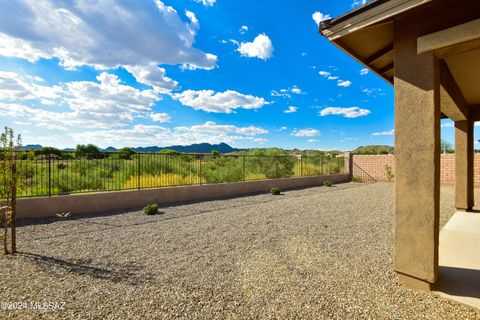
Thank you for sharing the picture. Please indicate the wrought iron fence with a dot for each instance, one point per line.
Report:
(360, 175)
(70, 172)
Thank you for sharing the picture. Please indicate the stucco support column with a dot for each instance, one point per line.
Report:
(464, 154)
(417, 152)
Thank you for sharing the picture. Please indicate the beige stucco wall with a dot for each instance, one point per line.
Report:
(123, 200)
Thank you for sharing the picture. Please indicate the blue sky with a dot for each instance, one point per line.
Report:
(140, 73)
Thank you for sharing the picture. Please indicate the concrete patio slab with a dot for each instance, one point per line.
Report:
(459, 259)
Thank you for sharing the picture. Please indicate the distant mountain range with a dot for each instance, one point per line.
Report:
(193, 148)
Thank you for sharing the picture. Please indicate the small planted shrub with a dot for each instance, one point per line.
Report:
(151, 209)
(327, 183)
(389, 173)
(275, 191)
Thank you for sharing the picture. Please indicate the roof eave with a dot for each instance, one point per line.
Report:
(374, 12)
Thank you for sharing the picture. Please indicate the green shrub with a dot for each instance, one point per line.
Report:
(222, 169)
(273, 163)
(327, 183)
(389, 173)
(125, 154)
(151, 209)
(275, 191)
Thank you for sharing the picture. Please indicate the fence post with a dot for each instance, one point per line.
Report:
(276, 166)
(13, 213)
(244, 170)
(201, 161)
(301, 165)
(49, 175)
(138, 171)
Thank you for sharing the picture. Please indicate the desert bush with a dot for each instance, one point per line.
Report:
(151, 209)
(273, 163)
(88, 151)
(125, 153)
(389, 173)
(311, 167)
(327, 183)
(275, 191)
(222, 169)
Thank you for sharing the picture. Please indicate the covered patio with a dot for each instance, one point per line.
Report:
(429, 50)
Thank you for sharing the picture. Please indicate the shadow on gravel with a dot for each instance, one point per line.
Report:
(130, 273)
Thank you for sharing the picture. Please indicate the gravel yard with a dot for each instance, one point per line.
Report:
(317, 253)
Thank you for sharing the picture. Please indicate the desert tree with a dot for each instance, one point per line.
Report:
(9, 152)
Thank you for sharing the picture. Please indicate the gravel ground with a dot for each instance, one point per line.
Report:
(317, 253)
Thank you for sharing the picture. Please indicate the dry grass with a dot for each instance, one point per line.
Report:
(162, 180)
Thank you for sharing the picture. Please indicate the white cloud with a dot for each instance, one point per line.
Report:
(69, 118)
(282, 128)
(373, 92)
(206, 3)
(448, 124)
(313, 140)
(306, 133)
(219, 102)
(353, 112)
(160, 117)
(144, 135)
(282, 93)
(296, 90)
(103, 34)
(384, 133)
(214, 128)
(51, 126)
(243, 29)
(108, 96)
(261, 48)
(291, 109)
(328, 75)
(286, 93)
(318, 17)
(364, 71)
(344, 83)
(154, 76)
(103, 104)
(14, 87)
(22, 123)
(357, 3)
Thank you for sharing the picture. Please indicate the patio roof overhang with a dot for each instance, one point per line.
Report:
(430, 51)
(367, 35)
